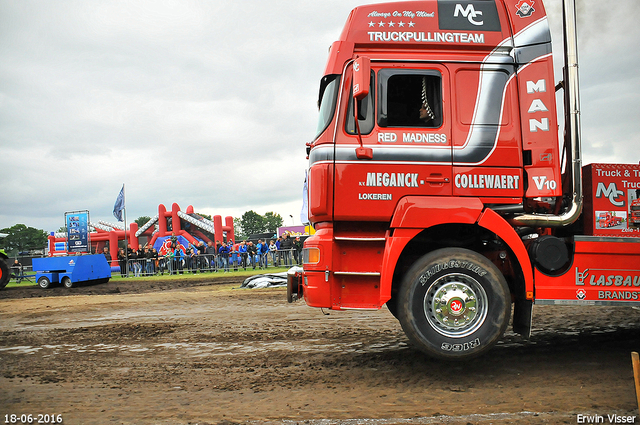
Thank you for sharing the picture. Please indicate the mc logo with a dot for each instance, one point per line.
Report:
(610, 192)
(470, 13)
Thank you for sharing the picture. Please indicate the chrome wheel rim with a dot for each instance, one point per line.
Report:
(455, 305)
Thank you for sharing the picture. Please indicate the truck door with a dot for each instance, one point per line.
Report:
(406, 122)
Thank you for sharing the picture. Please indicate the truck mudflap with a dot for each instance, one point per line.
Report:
(294, 284)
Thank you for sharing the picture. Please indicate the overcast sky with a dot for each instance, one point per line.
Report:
(210, 103)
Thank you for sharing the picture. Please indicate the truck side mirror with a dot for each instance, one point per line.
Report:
(361, 86)
(361, 77)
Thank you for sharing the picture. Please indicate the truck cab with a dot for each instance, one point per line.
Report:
(435, 180)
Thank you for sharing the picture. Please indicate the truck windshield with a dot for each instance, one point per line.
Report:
(327, 101)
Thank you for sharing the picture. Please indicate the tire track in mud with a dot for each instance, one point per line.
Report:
(246, 355)
(121, 286)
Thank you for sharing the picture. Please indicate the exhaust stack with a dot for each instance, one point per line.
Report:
(572, 129)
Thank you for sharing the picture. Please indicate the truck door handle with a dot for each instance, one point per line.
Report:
(437, 179)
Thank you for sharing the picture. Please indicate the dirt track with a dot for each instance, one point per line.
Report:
(195, 352)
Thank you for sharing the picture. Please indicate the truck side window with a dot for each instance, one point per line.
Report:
(409, 98)
(365, 112)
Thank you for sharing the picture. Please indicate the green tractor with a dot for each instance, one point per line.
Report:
(5, 275)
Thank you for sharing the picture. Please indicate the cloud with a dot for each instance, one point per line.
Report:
(609, 86)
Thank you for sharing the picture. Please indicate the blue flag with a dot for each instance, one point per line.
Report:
(119, 205)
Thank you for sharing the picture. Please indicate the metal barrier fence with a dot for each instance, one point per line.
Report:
(208, 263)
(20, 273)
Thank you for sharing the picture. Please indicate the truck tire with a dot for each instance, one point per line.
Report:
(44, 282)
(454, 304)
(4, 273)
(66, 281)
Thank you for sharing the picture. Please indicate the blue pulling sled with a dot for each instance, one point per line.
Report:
(71, 270)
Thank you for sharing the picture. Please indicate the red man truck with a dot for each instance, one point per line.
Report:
(607, 219)
(436, 182)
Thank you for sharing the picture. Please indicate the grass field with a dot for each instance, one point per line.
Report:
(165, 277)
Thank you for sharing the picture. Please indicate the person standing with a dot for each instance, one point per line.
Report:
(148, 255)
(16, 270)
(242, 250)
(122, 261)
(140, 260)
(107, 255)
(286, 247)
(273, 251)
(218, 246)
(202, 250)
(233, 250)
(211, 256)
(131, 257)
(169, 260)
(265, 254)
(258, 253)
(224, 256)
(278, 248)
(155, 260)
(251, 253)
(178, 257)
(190, 256)
(297, 250)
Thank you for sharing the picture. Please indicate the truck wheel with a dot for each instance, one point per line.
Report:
(66, 281)
(454, 304)
(4, 273)
(44, 282)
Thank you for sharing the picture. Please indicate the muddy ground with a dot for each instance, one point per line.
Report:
(203, 351)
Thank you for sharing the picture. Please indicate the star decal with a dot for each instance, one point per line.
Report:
(371, 24)
(401, 24)
(391, 24)
(411, 24)
(381, 24)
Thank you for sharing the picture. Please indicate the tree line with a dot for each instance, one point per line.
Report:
(21, 238)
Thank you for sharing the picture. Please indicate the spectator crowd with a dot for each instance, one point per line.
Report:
(221, 256)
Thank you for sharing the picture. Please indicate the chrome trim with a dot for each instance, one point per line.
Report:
(357, 273)
(455, 305)
(572, 129)
(535, 33)
(588, 302)
(582, 238)
(360, 308)
(344, 238)
(385, 153)
(528, 54)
